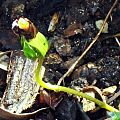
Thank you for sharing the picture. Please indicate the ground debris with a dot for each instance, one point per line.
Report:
(88, 105)
(19, 94)
(53, 22)
(99, 25)
(73, 29)
(99, 67)
(109, 90)
(4, 60)
(63, 46)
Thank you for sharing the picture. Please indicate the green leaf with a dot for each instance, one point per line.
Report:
(29, 51)
(36, 47)
(40, 43)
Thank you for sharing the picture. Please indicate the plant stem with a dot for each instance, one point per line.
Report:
(58, 88)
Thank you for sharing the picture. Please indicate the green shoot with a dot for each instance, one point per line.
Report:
(57, 88)
(37, 47)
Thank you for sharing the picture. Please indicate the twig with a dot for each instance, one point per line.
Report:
(58, 88)
(116, 95)
(70, 70)
(117, 41)
(111, 36)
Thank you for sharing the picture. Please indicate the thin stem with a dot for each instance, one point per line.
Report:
(58, 88)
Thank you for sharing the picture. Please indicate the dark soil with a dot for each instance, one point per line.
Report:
(66, 46)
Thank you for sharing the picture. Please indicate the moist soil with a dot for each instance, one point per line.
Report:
(74, 31)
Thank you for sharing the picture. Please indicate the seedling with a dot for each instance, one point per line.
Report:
(36, 48)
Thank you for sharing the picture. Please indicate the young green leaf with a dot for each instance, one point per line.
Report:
(40, 43)
(29, 51)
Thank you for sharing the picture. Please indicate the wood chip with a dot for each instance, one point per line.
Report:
(87, 104)
(22, 88)
(53, 22)
(109, 90)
